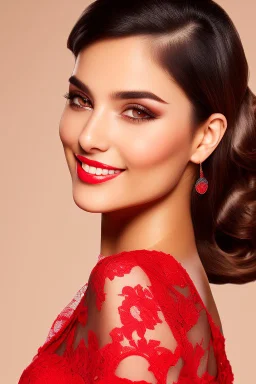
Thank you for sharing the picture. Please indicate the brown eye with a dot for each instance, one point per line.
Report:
(137, 113)
(71, 96)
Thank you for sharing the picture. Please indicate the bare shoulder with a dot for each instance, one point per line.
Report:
(198, 275)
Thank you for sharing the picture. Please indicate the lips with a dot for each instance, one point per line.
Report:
(97, 164)
(90, 178)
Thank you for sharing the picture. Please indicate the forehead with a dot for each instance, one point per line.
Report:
(124, 63)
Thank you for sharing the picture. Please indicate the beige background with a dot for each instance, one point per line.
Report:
(49, 245)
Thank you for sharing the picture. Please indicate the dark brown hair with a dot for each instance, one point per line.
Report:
(203, 52)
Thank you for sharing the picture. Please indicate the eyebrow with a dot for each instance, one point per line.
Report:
(120, 95)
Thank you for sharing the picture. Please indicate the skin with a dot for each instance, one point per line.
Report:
(148, 205)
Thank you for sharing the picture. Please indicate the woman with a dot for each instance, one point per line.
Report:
(159, 88)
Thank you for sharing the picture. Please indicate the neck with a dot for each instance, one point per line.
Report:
(164, 224)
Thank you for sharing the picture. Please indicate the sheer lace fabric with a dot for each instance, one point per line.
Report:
(139, 319)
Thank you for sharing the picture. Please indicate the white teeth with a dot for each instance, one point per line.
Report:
(98, 171)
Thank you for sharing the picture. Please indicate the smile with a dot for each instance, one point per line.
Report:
(94, 175)
(98, 171)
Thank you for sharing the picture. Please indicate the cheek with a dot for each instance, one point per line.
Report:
(67, 128)
(158, 149)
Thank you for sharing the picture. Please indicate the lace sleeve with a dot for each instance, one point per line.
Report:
(139, 320)
(133, 328)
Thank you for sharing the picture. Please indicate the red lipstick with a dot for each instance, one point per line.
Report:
(94, 179)
(97, 164)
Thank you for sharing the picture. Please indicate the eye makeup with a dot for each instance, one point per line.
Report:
(72, 95)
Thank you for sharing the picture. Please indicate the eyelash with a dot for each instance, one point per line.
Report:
(72, 95)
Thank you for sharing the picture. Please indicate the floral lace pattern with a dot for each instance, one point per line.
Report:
(139, 319)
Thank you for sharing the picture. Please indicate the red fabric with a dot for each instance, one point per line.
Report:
(139, 319)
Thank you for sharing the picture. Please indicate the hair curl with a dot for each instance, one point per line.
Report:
(201, 49)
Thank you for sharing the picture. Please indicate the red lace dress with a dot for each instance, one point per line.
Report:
(139, 319)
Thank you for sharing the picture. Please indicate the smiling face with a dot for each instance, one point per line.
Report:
(150, 139)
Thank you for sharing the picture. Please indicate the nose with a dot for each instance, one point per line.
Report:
(95, 132)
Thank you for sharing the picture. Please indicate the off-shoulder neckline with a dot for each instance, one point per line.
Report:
(182, 268)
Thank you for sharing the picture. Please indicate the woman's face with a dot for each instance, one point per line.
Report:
(153, 146)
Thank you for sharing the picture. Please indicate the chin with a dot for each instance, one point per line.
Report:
(92, 203)
(88, 204)
(87, 208)
(103, 204)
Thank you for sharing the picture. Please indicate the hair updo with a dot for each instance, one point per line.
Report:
(201, 49)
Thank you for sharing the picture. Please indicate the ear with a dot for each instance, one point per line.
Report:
(208, 137)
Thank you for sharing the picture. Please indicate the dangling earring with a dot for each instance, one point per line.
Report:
(201, 185)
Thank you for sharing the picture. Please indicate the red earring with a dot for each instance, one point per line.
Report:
(201, 185)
